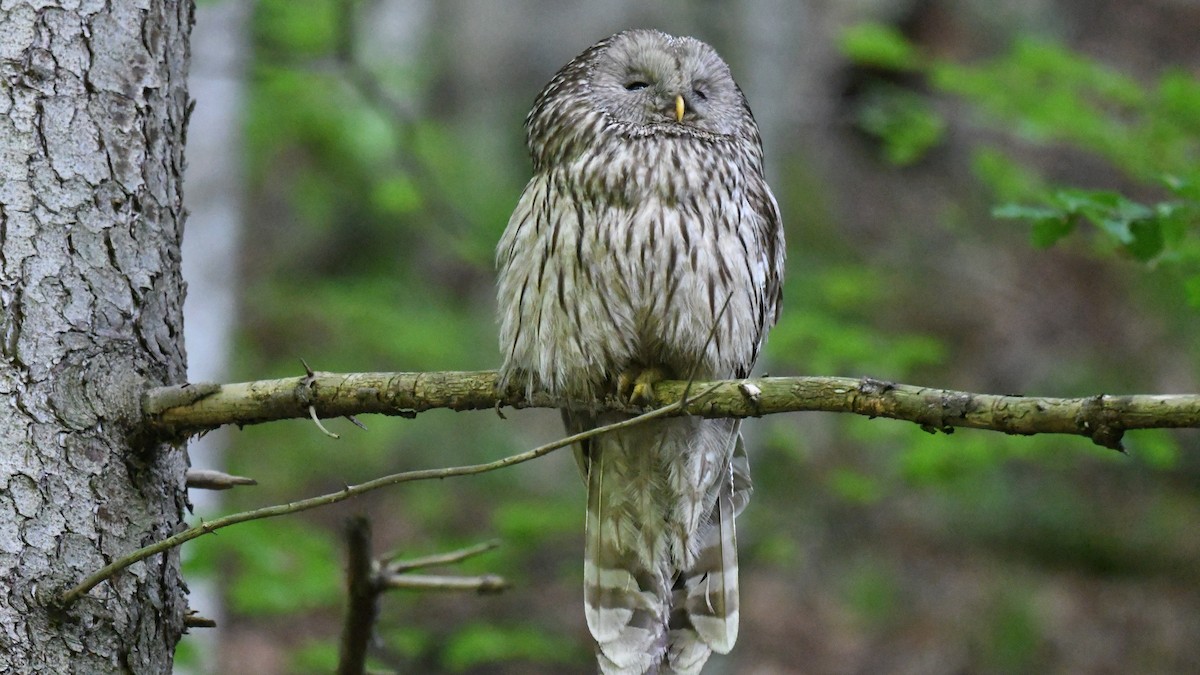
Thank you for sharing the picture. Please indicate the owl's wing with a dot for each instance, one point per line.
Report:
(771, 242)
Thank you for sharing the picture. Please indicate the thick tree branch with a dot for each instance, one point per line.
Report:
(1104, 418)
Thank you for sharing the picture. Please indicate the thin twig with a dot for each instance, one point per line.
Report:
(449, 558)
(486, 583)
(712, 333)
(211, 526)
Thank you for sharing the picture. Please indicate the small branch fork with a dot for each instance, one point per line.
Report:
(368, 578)
(195, 408)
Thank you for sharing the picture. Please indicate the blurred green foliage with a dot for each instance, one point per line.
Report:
(1011, 640)
(879, 46)
(273, 579)
(833, 332)
(871, 593)
(905, 119)
(478, 644)
(363, 259)
(316, 656)
(1044, 94)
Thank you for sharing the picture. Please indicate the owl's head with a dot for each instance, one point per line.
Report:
(636, 84)
(647, 78)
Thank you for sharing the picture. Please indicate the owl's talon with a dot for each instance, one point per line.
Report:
(636, 385)
(625, 384)
(643, 393)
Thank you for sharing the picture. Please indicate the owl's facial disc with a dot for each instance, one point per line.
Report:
(650, 79)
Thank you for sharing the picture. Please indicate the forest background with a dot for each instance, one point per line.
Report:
(992, 199)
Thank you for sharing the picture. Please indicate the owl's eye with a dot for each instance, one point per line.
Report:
(699, 93)
(636, 85)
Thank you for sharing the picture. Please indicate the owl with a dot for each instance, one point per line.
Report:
(646, 246)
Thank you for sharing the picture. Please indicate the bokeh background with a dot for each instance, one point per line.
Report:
(352, 164)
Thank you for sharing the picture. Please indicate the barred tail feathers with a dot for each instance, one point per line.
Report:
(660, 581)
(626, 565)
(706, 614)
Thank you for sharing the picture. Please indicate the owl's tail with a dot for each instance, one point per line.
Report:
(705, 602)
(645, 613)
(626, 565)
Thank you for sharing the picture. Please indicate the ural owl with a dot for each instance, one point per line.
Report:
(647, 245)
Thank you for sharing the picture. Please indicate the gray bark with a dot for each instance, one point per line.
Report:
(93, 99)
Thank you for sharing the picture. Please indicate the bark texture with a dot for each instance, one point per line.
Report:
(93, 107)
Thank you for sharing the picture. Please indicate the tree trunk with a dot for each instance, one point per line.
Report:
(94, 104)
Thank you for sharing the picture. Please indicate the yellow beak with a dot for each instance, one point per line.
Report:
(679, 108)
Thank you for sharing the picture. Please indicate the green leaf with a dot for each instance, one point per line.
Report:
(880, 45)
(1008, 179)
(1047, 231)
(1021, 211)
(1183, 186)
(905, 122)
(1086, 202)
(1138, 228)
(1147, 240)
(1117, 228)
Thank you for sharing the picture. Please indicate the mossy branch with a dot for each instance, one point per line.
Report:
(187, 409)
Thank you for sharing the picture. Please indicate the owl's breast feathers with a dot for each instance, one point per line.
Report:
(652, 249)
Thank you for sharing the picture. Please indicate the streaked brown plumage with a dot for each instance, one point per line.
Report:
(646, 245)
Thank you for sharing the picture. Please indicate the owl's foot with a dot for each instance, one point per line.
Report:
(636, 385)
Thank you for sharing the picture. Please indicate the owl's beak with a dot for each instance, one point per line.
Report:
(680, 109)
